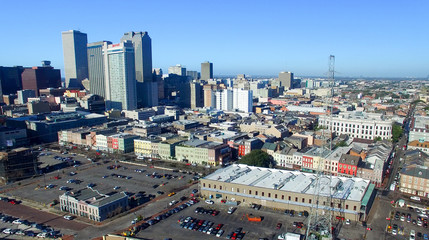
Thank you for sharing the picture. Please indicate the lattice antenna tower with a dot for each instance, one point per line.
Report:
(320, 220)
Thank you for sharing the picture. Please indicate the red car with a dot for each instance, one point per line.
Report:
(219, 226)
(279, 225)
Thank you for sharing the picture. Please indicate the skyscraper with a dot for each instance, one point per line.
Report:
(286, 79)
(197, 99)
(178, 70)
(75, 57)
(147, 93)
(96, 68)
(10, 80)
(206, 70)
(243, 100)
(37, 78)
(119, 77)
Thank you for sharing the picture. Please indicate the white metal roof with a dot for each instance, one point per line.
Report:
(291, 181)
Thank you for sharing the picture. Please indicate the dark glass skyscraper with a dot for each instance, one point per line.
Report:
(10, 80)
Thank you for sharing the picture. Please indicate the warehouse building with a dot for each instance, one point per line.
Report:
(351, 198)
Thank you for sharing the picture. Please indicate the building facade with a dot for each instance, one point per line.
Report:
(92, 204)
(96, 67)
(37, 78)
(283, 189)
(75, 57)
(120, 76)
(147, 88)
(359, 125)
(206, 70)
(17, 164)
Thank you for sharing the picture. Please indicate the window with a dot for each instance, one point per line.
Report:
(204, 185)
(289, 198)
(296, 199)
(220, 187)
(303, 199)
(339, 205)
(263, 194)
(347, 206)
(214, 186)
(250, 191)
(275, 196)
(269, 194)
(354, 208)
(309, 201)
(210, 186)
(238, 189)
(256, 193)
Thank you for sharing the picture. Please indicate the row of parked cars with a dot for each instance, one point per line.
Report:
(168, 213)
(45, 231)
(209, 227)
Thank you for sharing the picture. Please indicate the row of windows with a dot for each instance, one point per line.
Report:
(296, 199)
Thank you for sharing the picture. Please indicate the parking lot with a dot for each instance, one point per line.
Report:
(382, 218)
(267, 228)
(106, 177)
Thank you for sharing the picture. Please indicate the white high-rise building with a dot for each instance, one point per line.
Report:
(224, 99)
(178, 70)
(120, 76)
(242, 100)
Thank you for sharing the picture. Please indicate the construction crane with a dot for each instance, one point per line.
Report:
(320, 218)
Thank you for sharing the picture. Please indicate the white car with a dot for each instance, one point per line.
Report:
(173, 202)
(42, 235)
(67, 217)
(412, 234)
(231, 210)
(17, 221)
(7, 231)
(219, 234)
(347, 221)
(209, 201)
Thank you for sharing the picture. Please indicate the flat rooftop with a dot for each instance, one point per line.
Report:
(291, 181)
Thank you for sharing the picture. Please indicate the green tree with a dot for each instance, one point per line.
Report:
(257, 158)
(377, 139)
(396, 132)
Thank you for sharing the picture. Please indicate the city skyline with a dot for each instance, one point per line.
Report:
(371, 39)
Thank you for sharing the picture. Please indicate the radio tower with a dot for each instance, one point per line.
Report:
(320, 218)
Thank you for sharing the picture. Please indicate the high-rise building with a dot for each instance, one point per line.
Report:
(206, 70)
(119, 77)
(37, 78)
(224, 99)
(147, 93)
(96, 68)
(243, 100)
(193, 75)
(197, 99)
(10, 80)
(75, 58)
(286, 79)
(178, 70)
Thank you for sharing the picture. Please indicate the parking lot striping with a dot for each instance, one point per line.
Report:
(145, 165)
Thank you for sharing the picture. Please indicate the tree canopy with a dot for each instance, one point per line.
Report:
(257, 158)
(396, 132)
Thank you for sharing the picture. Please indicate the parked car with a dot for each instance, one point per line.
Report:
(209, 201)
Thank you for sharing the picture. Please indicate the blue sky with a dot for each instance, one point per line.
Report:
(368, 38)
